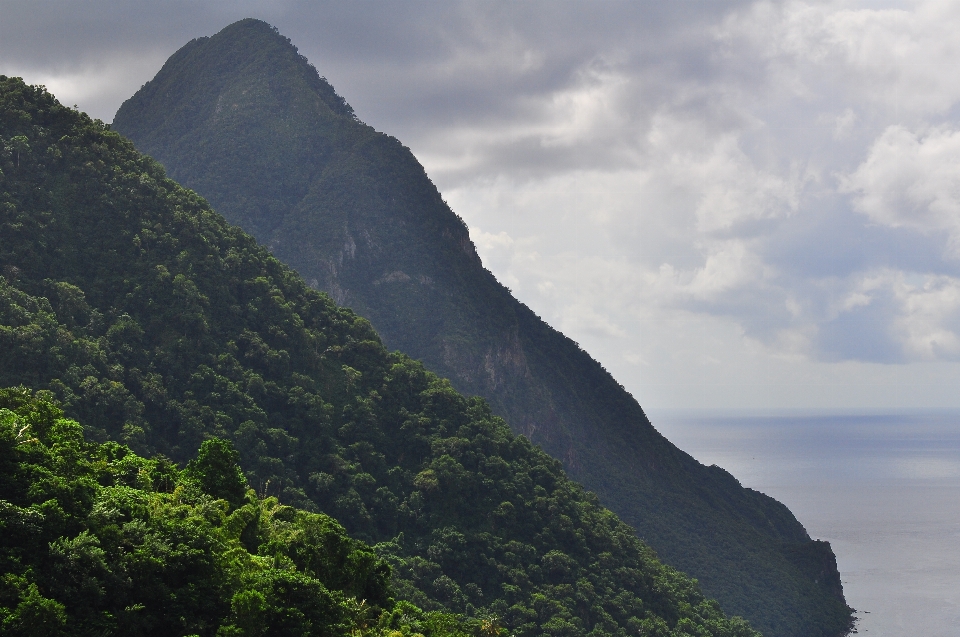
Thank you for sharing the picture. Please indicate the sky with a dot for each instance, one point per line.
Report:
(730, 204)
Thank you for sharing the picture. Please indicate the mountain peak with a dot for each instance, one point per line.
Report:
(357, 216)
(252, 25)
(231, 89)
(246, 53)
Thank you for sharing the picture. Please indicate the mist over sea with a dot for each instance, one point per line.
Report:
(883, 489)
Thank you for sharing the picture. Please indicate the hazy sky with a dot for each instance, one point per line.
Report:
(729, 204)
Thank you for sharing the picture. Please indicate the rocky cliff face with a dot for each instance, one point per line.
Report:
(245, 121)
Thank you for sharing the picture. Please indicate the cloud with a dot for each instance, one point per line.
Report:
(911, 181)
(98, 85)
(899, 56)
(726, 187)
(583, 318)
(727, 203)
(929, 317)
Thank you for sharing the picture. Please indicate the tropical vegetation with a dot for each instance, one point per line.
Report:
(242, 118)
(130, 305)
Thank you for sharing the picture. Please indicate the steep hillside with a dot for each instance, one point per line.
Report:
(247, 122)
(156, 324)
(97, 540)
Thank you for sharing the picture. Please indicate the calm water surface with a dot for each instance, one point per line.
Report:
(883, 490)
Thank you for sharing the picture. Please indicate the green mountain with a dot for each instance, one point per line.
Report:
(156, 324)
(247, 122)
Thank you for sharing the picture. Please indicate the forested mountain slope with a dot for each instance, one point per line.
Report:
(157, 324)
(247, 122)
(97, 540)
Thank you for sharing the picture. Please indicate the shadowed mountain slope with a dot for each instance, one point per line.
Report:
(248, 123)
(156, 323)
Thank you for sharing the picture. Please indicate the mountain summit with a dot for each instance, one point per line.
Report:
(246, 121)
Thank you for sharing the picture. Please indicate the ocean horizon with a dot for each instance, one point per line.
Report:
(882, 488)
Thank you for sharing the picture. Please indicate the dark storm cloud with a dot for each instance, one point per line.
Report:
(409, 66)
(728, 163)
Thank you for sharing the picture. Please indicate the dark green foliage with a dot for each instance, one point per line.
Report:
(90, 546)
(158, 325)
(247, 122)
(216, 470)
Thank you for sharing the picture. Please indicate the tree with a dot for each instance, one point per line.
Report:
(19, 144)
(217, 472)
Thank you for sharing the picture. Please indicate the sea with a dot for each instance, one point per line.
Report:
(883, 489)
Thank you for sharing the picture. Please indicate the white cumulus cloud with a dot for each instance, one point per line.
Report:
(912, 181)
